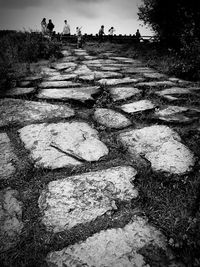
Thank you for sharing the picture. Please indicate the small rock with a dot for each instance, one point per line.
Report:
(119, 93)
(111, 118)
(137, 106)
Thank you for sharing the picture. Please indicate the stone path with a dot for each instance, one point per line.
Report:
(63, 134)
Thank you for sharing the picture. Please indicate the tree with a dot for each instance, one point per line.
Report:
(173, 21)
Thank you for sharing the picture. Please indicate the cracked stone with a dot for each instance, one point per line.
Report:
(59, 84)
(20, 91)
(82, 94)
(23, 111)
(156, 84)
(79, 199)
(126, 80)
(11, 223)
(120, 93)
(161, 146)
(111, 118)
(7, 157)
(137, 106)
(58, 145)
(118, 247)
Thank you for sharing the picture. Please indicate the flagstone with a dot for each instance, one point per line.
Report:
(156, 84)
(161, 146)
(33, 78)
(116, 247)
(7, 157)
(80, 199)
(49, 71)
(11, 224)
(60, 77)
(126, 80)
(58, 84)
(111, 118)
(127, 60)
(153, 75)
(99, 75)
(82, 93)
(66, 53)
(174, 91)
(140, 70)
(22, 111)
(67, 59)
(58, 145)
(20, 91)
(119, 93)
(64, 65)
(141, 105)
(24, 83)
(82, 70)
(110, 68)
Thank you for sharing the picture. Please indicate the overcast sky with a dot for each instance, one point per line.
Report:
(90, 14)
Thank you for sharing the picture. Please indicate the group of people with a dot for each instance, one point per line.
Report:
(47, 29)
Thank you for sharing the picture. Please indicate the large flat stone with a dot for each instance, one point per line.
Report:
(175, 91)
(100, 75)
(59, 84)
(156, 84)
(22, 111)
(99, 61)
(161, 146)
(119, 93)
(153, 75)
(141, 105)
(20, 91)
(7, 157)
(111, 118)
(58, 145)
(11, 223)
(59, 77)
(120, 247)
(82, 70)
(79, 199)
(64, 65)
(82, 94)
(126, 80)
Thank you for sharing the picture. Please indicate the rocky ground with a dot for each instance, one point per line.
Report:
(86, 145)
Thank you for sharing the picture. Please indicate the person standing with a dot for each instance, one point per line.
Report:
(66, 28)
(79, 37)
(111, 33)
(50, 27)
(44, 26)
(101, 33)
(138, 35)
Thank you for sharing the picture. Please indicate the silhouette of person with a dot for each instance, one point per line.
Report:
(44, 26)
(138, 35)
(111, 33)
(66, 28)
(79, 37)
(50, 27)
(101, 33)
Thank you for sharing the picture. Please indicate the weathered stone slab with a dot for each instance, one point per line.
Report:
(64, 65)
(161, 146)
(99, 61)
(20, 91)
(153, 75)
(60, 77)
(59, 84)
(45, 71)
(111, 118)
(113, 248)
(68, 59)
(156, 84)
(79, 199)
(82, 70)
(80, 52)
(22, 111)
(119, 93)
(179, 81)
(89, 57)
(7, 157)
(66, 53)
(11, 223)
(99, 75)
(125, 80)
(127, 60)
(33, 78)
(24, 83)
(175, 91)
(58, 145)
(137, 106)
(82, 94)
(177, 114)
(140, 70)
(110, 68)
